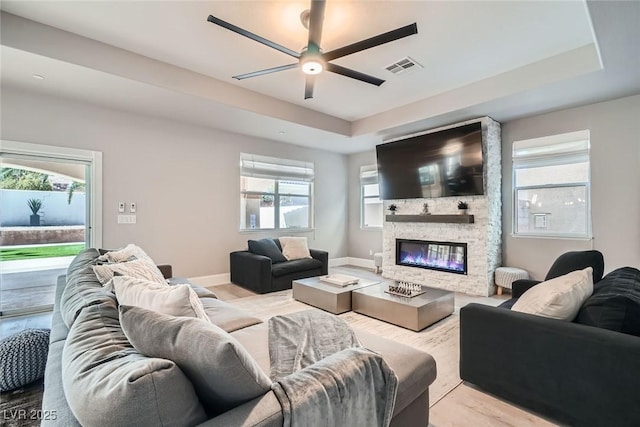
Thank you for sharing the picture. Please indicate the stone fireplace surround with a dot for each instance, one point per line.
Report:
(483, 236)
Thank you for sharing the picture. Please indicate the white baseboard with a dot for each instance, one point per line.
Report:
(336, 262)
(361, 262)
(212, 280)
(219, 279)
(358, 262)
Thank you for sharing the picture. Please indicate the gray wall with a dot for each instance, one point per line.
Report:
(615, 184)
(361, 241)
(185, 179)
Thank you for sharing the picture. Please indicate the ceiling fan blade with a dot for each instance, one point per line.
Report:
(267, 71)
(354, 74)
(316, 19)
(372, 42)
(252, 36)
(308, 86)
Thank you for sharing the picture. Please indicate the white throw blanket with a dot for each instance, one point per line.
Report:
(324, 377)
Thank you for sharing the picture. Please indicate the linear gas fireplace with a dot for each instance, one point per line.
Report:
(442, 256)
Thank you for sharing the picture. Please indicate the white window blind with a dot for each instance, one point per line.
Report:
(551, 184)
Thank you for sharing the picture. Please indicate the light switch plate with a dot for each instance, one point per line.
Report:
(126, 219)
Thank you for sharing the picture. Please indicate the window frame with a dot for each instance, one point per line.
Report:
(368, 181)
(276, 170)
(568, 157)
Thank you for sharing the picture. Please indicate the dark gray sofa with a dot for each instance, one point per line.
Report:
(261, 274)
(575, 373)
(80, 292)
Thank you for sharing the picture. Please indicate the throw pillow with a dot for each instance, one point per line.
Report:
(615, 303)
(177, 300)
(128, 253)
(222, 372)
(107, 382)
(139, 268)
(295, 247)
(268, 248)
(559, 298)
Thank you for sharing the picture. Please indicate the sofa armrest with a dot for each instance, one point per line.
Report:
(577, 374)
(250, 270)
(520, 286)
(166, 270)
(263, 411)
(323, 257)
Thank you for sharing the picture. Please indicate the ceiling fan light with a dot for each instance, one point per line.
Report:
(312, 66)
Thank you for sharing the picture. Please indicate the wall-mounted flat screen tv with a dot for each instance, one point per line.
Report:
(439, 164)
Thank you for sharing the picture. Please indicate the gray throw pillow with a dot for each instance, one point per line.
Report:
(268, 248)
(108, 383)
(222, 372)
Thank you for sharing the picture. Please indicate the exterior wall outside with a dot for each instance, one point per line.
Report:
(184, 179)
(56, 210)
(615, 179)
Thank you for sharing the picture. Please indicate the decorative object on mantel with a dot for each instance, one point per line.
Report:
(425, 209)
(393, 208)
(462, 207)
(452, 218)
(404, 289)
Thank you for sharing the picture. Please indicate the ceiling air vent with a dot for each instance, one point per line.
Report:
(403, 66)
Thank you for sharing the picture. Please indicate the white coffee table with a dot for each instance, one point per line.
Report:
(334, 299)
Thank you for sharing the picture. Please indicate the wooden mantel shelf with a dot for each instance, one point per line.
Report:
(455, 219)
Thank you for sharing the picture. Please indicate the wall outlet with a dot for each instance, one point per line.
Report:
(132, 207)
(370, 251)
(121, 207)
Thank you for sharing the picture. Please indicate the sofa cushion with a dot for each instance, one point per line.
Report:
(176, 300)
(615, 303)
(295, 247)
(107, 382)
(222, 372)
(415, 369)
(227, 317)
(558, 298)
(83, 288)
(294, 266)
(268, 248)
(139, 268)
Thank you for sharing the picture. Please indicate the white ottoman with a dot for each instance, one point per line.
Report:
(377, 260)
(505, 276)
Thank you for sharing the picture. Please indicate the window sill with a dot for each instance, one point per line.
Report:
(551, 237)
(277, 230)
(370, 228)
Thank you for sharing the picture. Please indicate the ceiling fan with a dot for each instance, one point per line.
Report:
(312, 59)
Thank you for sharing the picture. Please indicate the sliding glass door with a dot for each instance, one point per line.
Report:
(45, 220)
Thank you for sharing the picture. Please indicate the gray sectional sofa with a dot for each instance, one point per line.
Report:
(94, 376)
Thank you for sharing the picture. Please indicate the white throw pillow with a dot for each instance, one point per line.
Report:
(177, 300)
(294, 247)
(125, 254)
(139, 268)
(559, 298)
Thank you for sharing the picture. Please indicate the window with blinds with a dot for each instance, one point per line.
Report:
(370, 202)
(275, 193)
(551, 186)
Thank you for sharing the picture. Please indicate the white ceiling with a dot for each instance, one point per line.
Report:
(503, 59)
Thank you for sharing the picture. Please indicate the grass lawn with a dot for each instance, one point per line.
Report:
(40, 252)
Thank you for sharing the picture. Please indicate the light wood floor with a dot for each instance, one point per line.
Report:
(463, 406)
